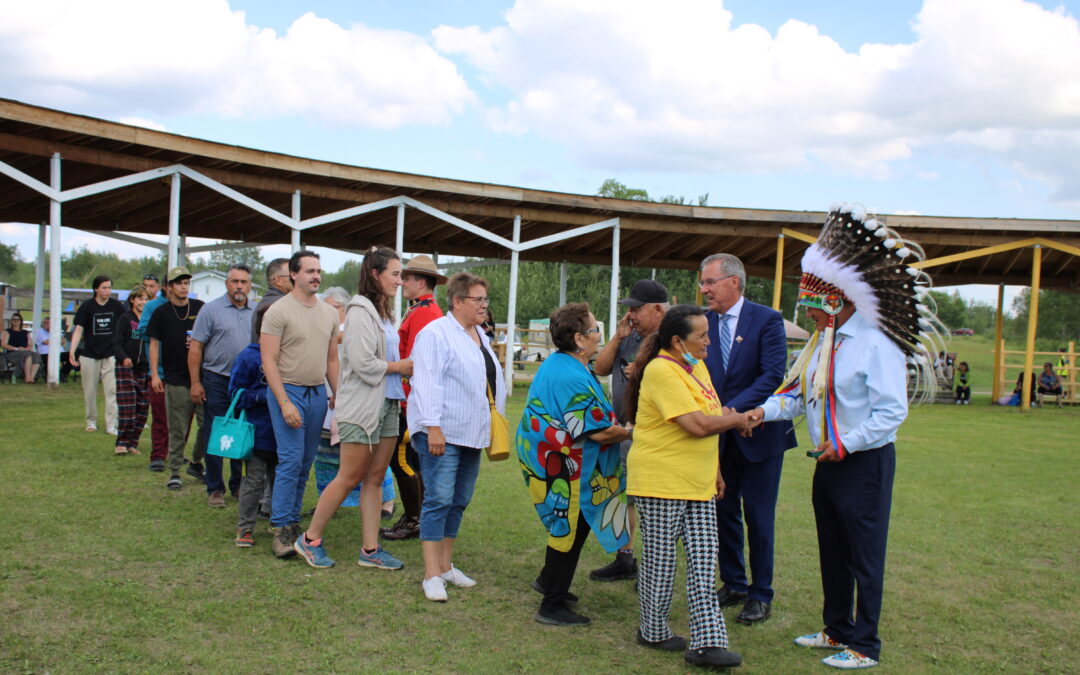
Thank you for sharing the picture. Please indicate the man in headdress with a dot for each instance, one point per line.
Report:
(851, 383)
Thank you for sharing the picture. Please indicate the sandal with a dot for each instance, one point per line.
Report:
(133, 451)
(120, 450)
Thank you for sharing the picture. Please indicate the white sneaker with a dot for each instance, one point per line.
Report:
(458, 578)
(91, 427)
(849, 659)
(111, 431)
(819, 641)
(435, 589)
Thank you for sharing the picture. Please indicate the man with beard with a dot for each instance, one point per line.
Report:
(221, 333)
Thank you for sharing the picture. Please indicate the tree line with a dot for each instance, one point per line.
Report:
(538, 283)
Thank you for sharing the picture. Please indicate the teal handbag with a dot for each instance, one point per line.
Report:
(232, 437)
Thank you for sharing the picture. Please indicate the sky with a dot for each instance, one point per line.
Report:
(939, 107)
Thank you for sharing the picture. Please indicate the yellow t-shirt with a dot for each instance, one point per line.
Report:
(666, 461)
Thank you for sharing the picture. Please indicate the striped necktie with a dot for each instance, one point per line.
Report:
(725, 339)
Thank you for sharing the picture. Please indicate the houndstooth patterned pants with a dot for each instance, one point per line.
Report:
(662, 522)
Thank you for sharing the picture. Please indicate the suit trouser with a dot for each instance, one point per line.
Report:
(751, 491)
(852, 500)
(180, 409)
(92, 370)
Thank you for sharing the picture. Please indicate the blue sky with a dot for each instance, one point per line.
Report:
(941, 107)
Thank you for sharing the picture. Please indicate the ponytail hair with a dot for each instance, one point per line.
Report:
(676, 323)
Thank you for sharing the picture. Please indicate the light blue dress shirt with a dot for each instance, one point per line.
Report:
(870, 375)
(394, 388)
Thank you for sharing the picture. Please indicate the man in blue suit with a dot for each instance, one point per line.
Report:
(747, 354)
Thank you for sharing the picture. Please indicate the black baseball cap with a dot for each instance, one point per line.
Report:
(644, 292)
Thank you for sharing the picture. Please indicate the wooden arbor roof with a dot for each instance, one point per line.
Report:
(651, 234)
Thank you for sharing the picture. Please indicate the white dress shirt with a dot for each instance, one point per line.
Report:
(870, 376)
(449, 384)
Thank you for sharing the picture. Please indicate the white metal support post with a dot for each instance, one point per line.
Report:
(511, 311)
(296, 216)
(39, 278)
(562, 283)
(55, 285)
(174, 220)
(399, 245)
(613, 307)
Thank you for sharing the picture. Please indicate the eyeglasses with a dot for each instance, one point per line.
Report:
(702, 283)
(591, 330)
(150, 277)
(478, 299)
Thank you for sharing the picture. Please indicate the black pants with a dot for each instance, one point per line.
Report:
(852, 500)
(963, 393)
(559, 568)
(406, 467)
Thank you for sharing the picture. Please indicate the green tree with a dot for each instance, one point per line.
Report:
(249, 255)
(1059, 317)
(613, 189)
(9, 260)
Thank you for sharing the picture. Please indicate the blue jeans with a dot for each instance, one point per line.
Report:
(216, 405)
(296, 450)
(449, 480)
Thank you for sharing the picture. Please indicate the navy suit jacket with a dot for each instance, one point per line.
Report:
(755, 370)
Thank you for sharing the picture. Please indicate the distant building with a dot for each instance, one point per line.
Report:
(210, 284)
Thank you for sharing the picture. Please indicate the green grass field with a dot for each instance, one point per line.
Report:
(106, 571)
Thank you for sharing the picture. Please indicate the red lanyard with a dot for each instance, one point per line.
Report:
(709, 392)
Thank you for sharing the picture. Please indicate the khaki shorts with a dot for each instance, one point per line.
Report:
(389, 421)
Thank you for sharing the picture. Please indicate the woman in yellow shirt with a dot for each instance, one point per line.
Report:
(674, 470)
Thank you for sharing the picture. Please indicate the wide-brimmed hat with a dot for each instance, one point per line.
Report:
(422, 264)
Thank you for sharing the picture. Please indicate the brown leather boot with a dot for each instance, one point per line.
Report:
(406, 527)
(282, 544)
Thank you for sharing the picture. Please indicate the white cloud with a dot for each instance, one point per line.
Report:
(115, 57)
(142, 122)
(637, 84)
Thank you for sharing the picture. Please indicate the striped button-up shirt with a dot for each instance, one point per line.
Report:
(449, 384)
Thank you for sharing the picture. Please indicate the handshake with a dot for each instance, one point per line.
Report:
(745, 422)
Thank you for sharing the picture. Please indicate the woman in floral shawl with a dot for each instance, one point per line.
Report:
(568, 446)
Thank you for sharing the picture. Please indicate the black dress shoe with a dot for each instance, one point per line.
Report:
(728, 598)
(754, 611)
(672, 644)
(712, 657)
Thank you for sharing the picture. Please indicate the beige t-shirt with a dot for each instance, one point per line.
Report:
(305, 339)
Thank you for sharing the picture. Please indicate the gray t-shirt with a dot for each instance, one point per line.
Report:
(624, 356)
(224, 329)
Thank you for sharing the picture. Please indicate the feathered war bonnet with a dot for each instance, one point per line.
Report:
(858, 260)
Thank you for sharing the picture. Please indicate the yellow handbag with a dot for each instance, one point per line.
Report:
(500, 432)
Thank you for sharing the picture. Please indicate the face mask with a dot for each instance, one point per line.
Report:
(690, 359)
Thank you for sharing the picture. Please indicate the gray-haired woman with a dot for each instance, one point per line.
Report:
(449, 421)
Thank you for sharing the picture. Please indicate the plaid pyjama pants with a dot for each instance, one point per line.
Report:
(132, 403)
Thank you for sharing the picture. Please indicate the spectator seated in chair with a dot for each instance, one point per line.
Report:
(1049, 383)
(19, 351)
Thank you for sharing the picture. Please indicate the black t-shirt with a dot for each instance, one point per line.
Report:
(99, 324)
(172, 325)
(489, 368)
